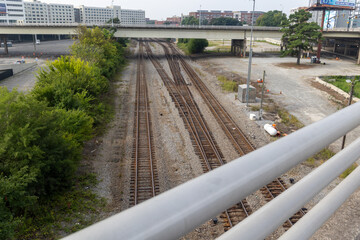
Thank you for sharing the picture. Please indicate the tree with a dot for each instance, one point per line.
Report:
(271, 19)
(190, 21)
(225, 21)
(197, 45)
(114, 20)
(299, 34)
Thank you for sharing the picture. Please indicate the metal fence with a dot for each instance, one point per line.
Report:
(177, 212)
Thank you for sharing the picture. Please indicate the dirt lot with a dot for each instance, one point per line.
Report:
(176, 159)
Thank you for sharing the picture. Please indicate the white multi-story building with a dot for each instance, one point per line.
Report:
(132, 17)
(98, 15)
(11, 11)
(61, 13)
(95, 15)
(38, 12)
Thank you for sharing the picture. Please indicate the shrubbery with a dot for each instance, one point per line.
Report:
(194, 45)
(43, 132)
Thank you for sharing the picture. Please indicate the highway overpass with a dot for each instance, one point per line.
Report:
(347, 40)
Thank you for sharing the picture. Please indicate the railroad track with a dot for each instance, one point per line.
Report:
(144, 182)
(203, 141)
(233, 132)
(274, 189)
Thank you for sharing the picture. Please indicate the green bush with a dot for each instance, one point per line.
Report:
(70, 83)
(197, 45)
(43, 132)
(39, 152)
(97, 47)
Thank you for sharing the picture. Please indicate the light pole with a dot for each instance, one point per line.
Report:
(353, 83)
(250, 56)
(200, 17)
(112, 19)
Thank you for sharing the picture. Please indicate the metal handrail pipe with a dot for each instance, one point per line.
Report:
(272, 215)
(178, 211)
(316, 217)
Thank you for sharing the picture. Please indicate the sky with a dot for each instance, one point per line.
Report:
(161, 9)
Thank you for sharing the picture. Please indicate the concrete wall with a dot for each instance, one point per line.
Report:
(17, 68)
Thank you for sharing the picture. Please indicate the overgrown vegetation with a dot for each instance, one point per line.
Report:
(340, 82)
(324, 155)
(228, 85)
(271, 19)
(320, 158)
(193, 46)
(43, 133)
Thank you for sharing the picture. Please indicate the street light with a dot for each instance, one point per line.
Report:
(353, 83)
(250, 56)
(200, 17)
(112, 19)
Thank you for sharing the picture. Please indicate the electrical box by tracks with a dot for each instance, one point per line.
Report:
(242, 93)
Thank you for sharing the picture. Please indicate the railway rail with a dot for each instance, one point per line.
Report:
(144, 183)
(233, 132)
(203, 141)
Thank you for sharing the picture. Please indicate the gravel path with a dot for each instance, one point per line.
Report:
(309, 105)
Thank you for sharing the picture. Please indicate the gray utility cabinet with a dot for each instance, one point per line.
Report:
(242, 93)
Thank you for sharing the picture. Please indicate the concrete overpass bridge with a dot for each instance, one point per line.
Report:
(343, 41)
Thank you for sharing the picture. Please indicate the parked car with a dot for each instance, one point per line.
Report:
(9, 44)
(37, 41)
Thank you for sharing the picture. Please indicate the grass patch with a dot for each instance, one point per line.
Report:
(66, 212)
(289, 120)
(340, 82)
(319, 158)
(228, 85)
(183, 47)
(264, 41)
(348, 171)
(255, 108)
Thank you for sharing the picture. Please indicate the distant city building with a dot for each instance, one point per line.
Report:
(95, 15)
(38, 12)
(132, 17)
(61, 13)
(245, 16)
(99, 15)
(11, 11)
(208, 15)
(174, 20)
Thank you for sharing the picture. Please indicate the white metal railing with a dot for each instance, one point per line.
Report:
(178, 211)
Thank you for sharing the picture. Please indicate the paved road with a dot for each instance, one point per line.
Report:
(46, 49)
(301, 99)
(23, 81)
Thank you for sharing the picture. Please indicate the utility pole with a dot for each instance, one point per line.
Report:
(250, 57)
(262, 96)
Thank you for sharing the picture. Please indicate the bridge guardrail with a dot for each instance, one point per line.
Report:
(178, 211)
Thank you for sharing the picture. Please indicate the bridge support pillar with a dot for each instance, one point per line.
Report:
(6, 48)
(334, 47)
(346, 49)
(238, 47)
(358, 61)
